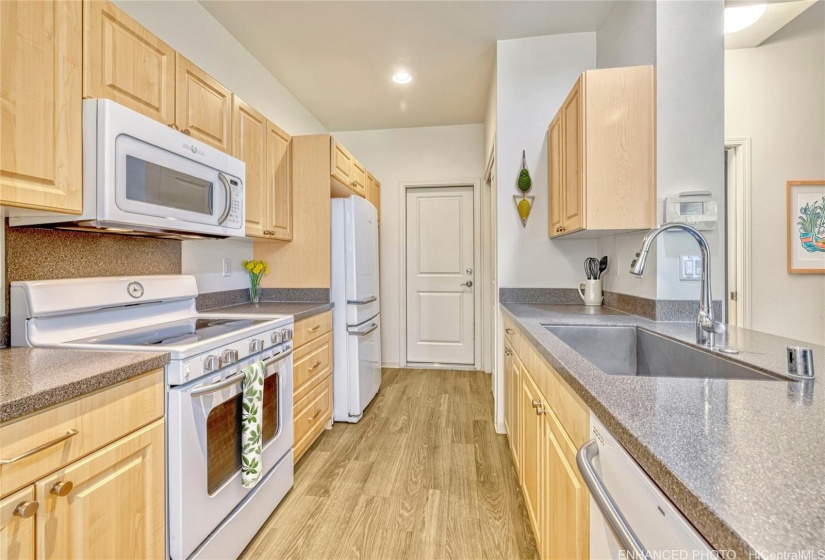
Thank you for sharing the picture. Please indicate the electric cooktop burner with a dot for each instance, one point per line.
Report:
(174, 333)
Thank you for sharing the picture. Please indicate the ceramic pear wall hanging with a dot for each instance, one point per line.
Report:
(524, 203)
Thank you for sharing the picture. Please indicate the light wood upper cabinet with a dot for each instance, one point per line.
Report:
(116, 507)
(573, 187)
(554, 170)
(40, 99)
(602, 155)
(374, 193)
(124, 62)
(359, 178)
(249, 129)
(203, 107)
(279, 183)
(341, 163)
(17, 531)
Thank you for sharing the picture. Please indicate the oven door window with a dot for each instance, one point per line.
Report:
(223, 434)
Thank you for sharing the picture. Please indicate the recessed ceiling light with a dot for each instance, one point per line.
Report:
(401, 77)
(741, 17)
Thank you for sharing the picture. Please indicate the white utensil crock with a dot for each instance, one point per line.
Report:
(591, 292)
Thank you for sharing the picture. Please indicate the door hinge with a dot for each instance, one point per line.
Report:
(734, 296)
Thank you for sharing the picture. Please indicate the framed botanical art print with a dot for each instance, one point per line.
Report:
(806, 227)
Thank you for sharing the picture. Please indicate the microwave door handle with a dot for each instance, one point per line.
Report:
(227, 197)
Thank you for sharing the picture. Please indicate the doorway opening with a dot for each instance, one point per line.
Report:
(738, 244)
(440, 284)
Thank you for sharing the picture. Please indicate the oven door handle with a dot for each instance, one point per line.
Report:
(215, 387)
(227, 197)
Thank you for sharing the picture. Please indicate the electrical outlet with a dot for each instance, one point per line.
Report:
(227, 267)
(690, 268)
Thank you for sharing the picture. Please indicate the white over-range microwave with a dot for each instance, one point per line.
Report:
(142, 177)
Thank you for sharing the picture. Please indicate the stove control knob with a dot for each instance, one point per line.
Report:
(276, 337)
(229, 357)
(287, 334)
(256, 345)
(212, 363)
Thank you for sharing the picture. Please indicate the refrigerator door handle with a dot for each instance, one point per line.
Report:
(371, 328)
(362, 301)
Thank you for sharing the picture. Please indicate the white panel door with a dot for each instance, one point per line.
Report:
(440, 275)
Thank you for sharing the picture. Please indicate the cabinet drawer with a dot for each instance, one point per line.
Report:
(311, 415)
(311, 328)
(312, 363)
(512, 334)
(98, 419)
(16, 533)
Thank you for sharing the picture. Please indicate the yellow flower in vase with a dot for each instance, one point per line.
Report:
(256, 270)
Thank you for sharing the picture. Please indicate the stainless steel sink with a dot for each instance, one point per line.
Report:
(632, 351)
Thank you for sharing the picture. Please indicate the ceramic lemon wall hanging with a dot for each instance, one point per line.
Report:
(524, 203)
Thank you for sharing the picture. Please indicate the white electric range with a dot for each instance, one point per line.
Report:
(210, 514)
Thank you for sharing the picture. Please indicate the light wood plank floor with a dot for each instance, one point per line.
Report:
(422, 476)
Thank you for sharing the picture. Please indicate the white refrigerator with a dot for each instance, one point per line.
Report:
(356, 323)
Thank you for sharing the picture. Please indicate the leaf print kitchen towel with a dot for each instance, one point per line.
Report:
(251, 424)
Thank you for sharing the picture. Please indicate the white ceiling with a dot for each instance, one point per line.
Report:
(337, 57)
(777, 15)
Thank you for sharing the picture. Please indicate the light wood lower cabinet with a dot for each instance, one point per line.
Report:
(546, 424)
(116, 506)
(40, 105)
(16, 526)
(99, 493)
(312, 380)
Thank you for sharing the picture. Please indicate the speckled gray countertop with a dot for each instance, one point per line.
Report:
(299, 310)
(32, 379)
(744, 460)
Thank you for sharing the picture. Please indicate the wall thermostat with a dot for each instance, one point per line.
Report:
(694, 208)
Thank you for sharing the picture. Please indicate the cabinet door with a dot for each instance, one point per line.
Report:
(554, 175)
(123, 62)
(359, 178)
(279, 176)
(16, 532)
(341, 164)
(203, 107)
(40, 105)
(531, 458)
(249, 129)
(374, 193)
(565, 509)
(116, 507)
(514, 370)
(573, 180)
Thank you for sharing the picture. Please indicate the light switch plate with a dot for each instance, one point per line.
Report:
(227, 267)
(690, 268)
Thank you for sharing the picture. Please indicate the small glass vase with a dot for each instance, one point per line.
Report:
(255, 291)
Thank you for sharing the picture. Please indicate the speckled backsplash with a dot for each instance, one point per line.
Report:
(46, 254)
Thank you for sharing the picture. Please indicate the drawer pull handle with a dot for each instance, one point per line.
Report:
(540, 411)
(314, 367)
(317, 412)
(62, 489)
(26, 510)
(535, 403)
(39, 448)
(509, 331)
(508, 353)
(313, 329)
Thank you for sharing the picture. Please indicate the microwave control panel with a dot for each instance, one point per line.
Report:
(235, 220)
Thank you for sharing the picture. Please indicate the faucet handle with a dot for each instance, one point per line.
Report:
(719, 327)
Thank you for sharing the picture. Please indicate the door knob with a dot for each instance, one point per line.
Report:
(26, 509)
(469, 272)
(62, 489)
(468, 283)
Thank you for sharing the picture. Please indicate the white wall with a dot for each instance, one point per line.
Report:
(533, 78)
(189, 29)
(689, 48)
(394, 156)
(775, 95)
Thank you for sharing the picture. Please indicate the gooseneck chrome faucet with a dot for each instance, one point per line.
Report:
(706, 327)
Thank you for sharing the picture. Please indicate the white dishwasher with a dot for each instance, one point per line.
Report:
(630, 518)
